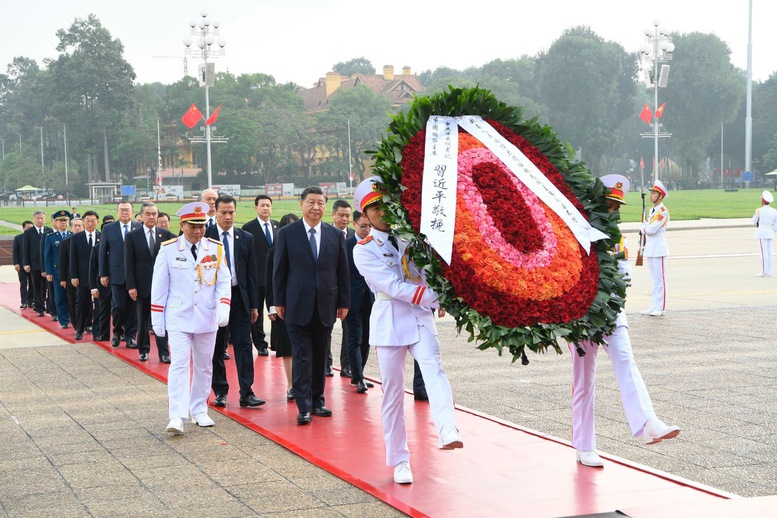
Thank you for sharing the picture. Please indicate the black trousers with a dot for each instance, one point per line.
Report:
(38, 291)
(357, 325)
(240, 331)
(143, 311)
(84, 309)
(70, 291)
(125, 320)
(25, 287)
(258, 336)
(308, 362)
(101, 328)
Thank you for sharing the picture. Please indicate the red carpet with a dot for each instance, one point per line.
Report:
(503, 470)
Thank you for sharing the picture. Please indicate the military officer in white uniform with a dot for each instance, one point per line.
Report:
(765, 220)
(634, 395)
(401, 321)
(190, 299)
(656, 250)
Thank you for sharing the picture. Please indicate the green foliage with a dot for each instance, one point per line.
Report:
(348, 68)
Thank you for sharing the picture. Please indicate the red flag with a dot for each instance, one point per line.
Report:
(641, 163)
(646, 114)
(660, 111)
(213, 116)
(192, 116)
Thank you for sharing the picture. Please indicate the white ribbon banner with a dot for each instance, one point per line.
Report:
(438, 199)
(438, 195)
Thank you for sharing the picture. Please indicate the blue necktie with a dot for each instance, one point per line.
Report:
(225, 234)
(267, 233)
(124, 236)
(313, 244)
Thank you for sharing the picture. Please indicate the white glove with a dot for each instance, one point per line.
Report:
(223, 317)
(159, 331)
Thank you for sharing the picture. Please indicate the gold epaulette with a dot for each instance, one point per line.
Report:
(215, 241)
(365, 240)
(169, 241)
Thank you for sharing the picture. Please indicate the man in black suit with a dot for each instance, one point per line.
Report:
(81, 246)
(357, 323)
(263, 229)
(112, 274)
(341, 218)
(101, 327)
(77, 227)
(32, 252)
(141, 247)
(25, 284)
(311, 289)
(240, 254)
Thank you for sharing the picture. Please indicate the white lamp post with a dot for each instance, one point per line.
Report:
(204, 42)
(658, 48)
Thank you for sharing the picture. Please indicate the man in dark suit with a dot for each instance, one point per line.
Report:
(25, 284)
(141, 247)
(112, 273)
(311, 289)
(101, 321)
(81, 246)
(240, 254)
(357, 323)
(341, 218)
(32, 251)
(76, 226)
(263, 229)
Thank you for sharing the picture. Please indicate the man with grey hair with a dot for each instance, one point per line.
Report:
(209, 196)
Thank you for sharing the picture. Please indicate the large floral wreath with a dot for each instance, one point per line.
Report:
(517, 277)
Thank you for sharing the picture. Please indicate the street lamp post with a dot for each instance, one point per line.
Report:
(656, 49)
(203, 35)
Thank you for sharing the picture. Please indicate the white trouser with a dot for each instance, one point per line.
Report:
(391, 360)
(634, 394)
(767, 259)
(187, 394)
(656, 266)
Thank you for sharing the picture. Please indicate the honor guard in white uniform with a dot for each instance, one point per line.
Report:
(402, 320)
(190, 299)
(765, 221)
(656, 250)
(634, 395)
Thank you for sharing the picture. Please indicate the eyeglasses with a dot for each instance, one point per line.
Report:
(366, 226)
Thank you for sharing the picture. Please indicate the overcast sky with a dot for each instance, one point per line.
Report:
(300, 40)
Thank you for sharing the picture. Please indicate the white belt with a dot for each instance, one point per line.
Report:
(383, 296)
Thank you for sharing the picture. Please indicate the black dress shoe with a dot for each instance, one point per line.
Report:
(329, 372)
(420, 396)
(361, 387)
(366, 383)
(143, 357)
(251, 401)
(289, 395)
(23, 306)
(40, 313)
(88, 329)
(54, 317)
(263, 352)
(221, 400)
(65, 326)
(115, 341)
(345, 372)
(305, 418)
(322, 411)
(132, 344)
(164, 359)
(79, 336)
(226, 355)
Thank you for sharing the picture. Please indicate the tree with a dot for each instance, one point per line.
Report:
(704, 91)
(360, 65)
(588, 87)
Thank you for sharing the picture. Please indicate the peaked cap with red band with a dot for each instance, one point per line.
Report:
(367, 193)
(618, 186)
(660, 188)
(195, 212)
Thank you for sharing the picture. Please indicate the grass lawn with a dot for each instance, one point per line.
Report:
(683, 205)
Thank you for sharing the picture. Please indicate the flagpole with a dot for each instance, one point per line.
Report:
(67, 188)
(159, 156)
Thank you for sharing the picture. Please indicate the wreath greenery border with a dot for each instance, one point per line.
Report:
(610, 298)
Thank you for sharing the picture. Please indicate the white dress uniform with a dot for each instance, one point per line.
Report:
(402, 320)
(765, 220)
(656, 251)
(189, 299)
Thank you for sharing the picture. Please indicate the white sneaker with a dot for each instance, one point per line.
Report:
(656, 431)
(656, 313)
(402, 473)
(203, 420)
(175, 426)
(589, 458)
(449, 438)
(647, 312)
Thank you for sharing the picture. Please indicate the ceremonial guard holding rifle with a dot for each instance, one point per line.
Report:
(655, 249)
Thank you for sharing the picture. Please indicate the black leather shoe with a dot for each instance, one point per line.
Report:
(366, 383)
(164, 359)
(115, 341)
(143, 357)
(79, 336)
(289, 395)
(132, 344)
(361, 387)
(329, 372)
(251, 401)
(303, 419)
(420, 396)
(65, 326)
(345, 372)
(226, 355)
(221, 400)
(322, 411)
(263, 352)
(40, 313)
(54, 317)
(88, 329)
